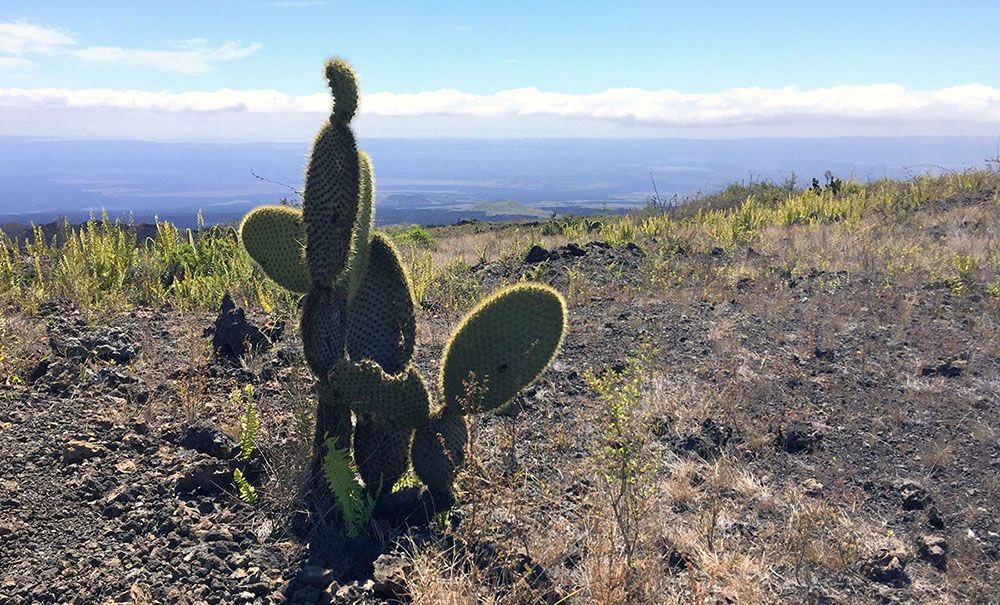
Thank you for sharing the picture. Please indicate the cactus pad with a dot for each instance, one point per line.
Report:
(381, 451)
(322, 327)
(381, 324)
(357, 264)
(503, 345)
(275, 238)
(403, 398)
(439, 449)
(343, 83)
(330, 202)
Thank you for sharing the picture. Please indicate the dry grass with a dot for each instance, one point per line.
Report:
(749, 525)
(762, 317)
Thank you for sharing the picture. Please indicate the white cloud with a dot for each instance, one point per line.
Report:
(877, 110)
(972, 102)
(187, 57)
(731, 107)
(21, 37)
(192, 57)
(262, 101)
(13, 62)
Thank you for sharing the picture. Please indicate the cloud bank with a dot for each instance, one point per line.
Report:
(878, 110)
(20, 40)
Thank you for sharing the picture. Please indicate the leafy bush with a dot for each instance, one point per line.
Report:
(415, 236)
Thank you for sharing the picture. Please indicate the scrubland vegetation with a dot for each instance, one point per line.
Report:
(770, 394)
(101, 266)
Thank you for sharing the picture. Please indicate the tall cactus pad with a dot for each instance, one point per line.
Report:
(438, 450)
(343, 83)
(381, 451)
(330, 201)
(322, 327)
(357, 265)
(402, 398)
(275, 237)
(503, 345)
(381, 324)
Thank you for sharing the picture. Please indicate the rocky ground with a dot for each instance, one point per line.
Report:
(826, 438)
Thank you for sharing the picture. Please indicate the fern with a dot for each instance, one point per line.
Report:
(341, 476)
(246, 491)
(249, 421)
(249, 427)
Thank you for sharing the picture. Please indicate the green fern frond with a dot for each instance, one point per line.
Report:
(246, 491)
(249, 421)
(341, 476)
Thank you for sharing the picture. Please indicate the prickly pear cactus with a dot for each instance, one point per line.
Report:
(358, 322)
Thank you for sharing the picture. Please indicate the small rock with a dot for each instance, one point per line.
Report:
(205, 438)
(112, 378)
(798, 438)
(570, 250)
(934, 518)
(39, 370)
(674, 558)
(235, 336)
(205, 476)
(708, 442)
(389, 577)
(78, 451)
(947, 369)
(913, 496)
(126, 466)
(889, 568)
(537, 254)
(812, 487)
(933, 549)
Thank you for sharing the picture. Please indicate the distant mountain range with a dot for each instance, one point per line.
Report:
(436, 181)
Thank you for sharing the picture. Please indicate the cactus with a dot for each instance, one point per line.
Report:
(275, 236)
(358, 323)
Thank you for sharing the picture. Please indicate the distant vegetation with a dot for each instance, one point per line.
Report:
(103, 264)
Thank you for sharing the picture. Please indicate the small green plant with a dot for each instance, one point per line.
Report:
(993, 289)
(966, 267)
(246, 491)
(249, 427)
(623, 456)
(249, 420)
(415, 236)
(356, 505)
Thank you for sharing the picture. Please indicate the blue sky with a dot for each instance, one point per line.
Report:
(762, 68)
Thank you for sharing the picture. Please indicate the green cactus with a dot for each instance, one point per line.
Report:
(381, 323)
(502, 346)
(439, 450)
(381, 452)
(358, 323)
(275, 237)
(402, 398)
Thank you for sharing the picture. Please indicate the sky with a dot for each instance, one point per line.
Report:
(242, 70)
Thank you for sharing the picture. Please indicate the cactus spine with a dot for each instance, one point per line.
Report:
(358, 321)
